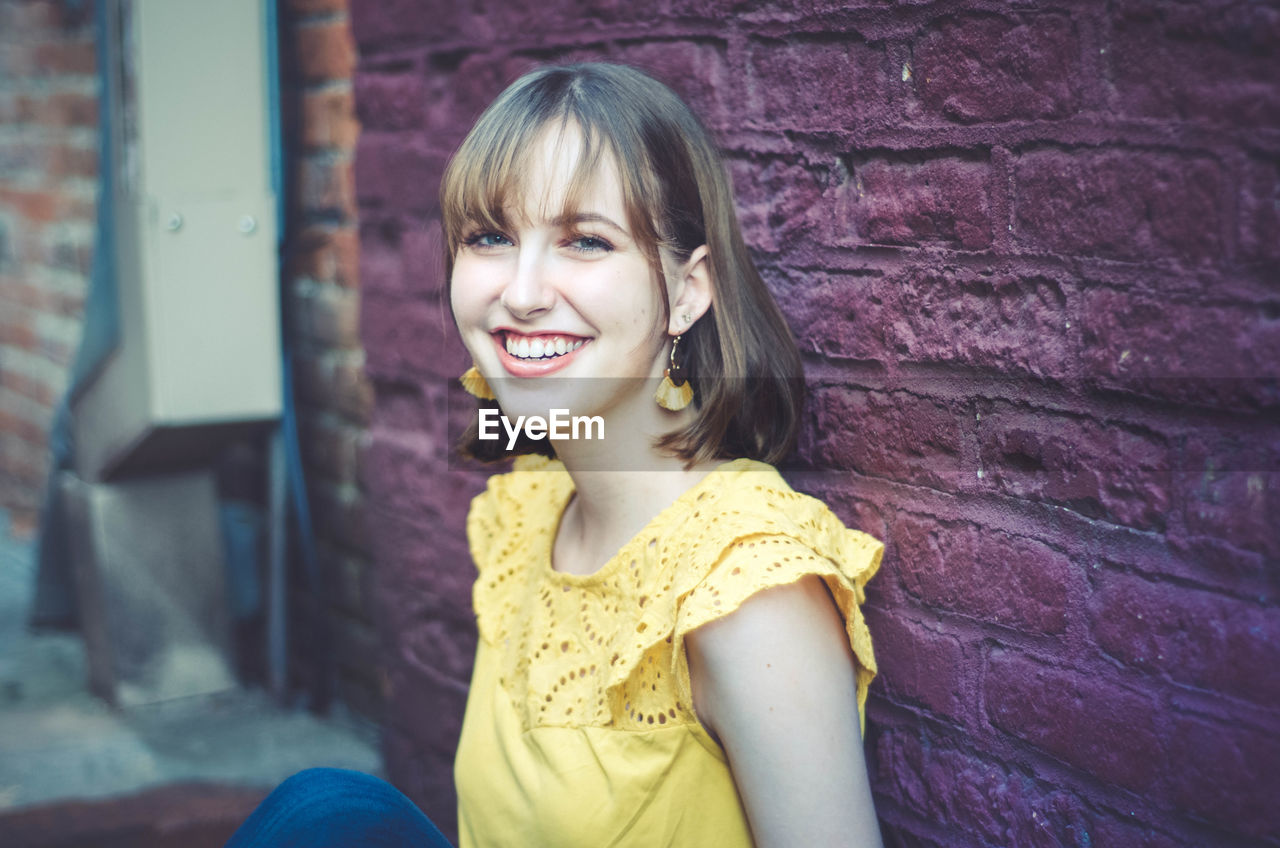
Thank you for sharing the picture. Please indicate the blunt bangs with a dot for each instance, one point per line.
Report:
(485, 183)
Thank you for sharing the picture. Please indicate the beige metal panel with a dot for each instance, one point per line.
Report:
(113, 409)
(215, 343)
(196, 237)
(203, 102)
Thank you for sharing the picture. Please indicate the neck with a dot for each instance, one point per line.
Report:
(620, 484)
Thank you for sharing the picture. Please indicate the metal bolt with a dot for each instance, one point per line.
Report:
(248, 224)
(174, 223)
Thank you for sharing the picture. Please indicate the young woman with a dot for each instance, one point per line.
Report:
(671, 649)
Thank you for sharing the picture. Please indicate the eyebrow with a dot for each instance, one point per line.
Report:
(587, 218)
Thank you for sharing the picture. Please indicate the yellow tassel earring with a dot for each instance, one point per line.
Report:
(675, 392)
(474, 383)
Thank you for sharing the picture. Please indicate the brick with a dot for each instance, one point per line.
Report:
(328, 119)
(324, 51)
(1086, 721)
(938, 201)
(328, 382)
(1225, 772)
(31, 388)
(327, 315)
(1211, 62)
(418, 692)
(422, 254)
(316, 7)
(778, 201)
(326, 187)
(1137, 205)
(62, 160)
(376, 22)
(920, 664)
(1239, 507)
(887, 434)
(1111, 829)
(982, 68)
(66, 110)
(326, 255)
(37, 297)
(586, 19)
(329, 447)
(984, 573)
(35, 206)
(66, 57)
(35, 16)
(1100, 469)
(982, 801)
(839, 316)
(339, 513)
(1198, 638)
(390, 102)
(695, 70)
(18, 419)
(382, 269)
(995, 321)
(409, 337)
(423, 562)
(815, 84)
(410, 406)
(18, 61)
(1260, 213)
(1218, 354)
(410, 464)
(397, 175)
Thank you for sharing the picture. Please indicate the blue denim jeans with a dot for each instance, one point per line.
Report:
(327, 808)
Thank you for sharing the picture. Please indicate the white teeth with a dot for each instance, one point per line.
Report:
(541, 348)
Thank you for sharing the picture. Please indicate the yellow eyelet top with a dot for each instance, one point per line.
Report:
(579, 729)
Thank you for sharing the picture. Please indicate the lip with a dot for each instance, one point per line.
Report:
(517, 367)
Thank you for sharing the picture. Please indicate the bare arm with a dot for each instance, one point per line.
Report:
(775, 682)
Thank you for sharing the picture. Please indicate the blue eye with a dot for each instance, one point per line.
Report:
(487, 239)
(590, 244)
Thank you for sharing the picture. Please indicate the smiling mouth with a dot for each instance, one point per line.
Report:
(540, 348)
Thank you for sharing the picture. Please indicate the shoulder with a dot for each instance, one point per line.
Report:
(745, 514)
(519, 502)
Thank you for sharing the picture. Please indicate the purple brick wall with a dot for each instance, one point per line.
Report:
(1030, 258)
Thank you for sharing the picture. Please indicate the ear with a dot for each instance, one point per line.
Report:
(692, 291)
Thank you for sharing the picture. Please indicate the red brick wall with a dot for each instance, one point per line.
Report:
(1030, 257)
(48, 176)
(322, 315)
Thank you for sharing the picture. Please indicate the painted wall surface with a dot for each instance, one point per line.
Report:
(1029, 252)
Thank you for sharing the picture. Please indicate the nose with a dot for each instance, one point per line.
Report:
(529, 292)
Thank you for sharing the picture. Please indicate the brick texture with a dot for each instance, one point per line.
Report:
(323, 307)
(48, 172)
(1028, 254)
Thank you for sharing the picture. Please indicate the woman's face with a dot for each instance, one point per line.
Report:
(562, 311)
